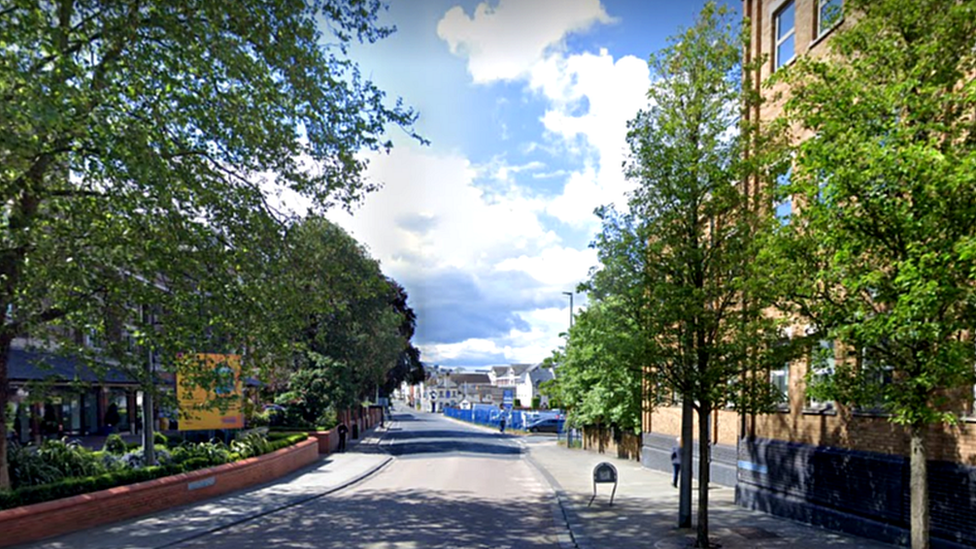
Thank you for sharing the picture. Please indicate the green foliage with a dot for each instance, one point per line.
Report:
(213, 452)
(312, 390)
(82, 485)
(131, 156)
(260, 419)
(57, 469)
(250, 445)
(114, 444)
(702, 300)
(290, 440)
(52, 461)
(599, 378)
(880, 257)
(353, 323)
(536, 402)
(160, 439)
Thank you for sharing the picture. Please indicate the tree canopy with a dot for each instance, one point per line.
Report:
(140, 144)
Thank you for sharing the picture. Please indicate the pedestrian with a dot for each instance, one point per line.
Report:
(112, 418)
(342, 436)
(501, 421)
(676, 461)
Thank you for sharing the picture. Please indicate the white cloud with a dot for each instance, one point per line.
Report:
(591, 99)
(456, 224)
(554, 266)
(503, 42)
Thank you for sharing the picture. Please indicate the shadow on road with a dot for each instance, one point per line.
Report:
(444, 447)
(405, 519)
(443, 434)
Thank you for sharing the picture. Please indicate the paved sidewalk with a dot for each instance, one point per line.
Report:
(645, 508)
(173, 526)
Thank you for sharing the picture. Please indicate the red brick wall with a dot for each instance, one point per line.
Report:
(328, 441)
(53, 518)
(666, 420)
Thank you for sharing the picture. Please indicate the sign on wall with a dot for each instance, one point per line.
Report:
(208, 390)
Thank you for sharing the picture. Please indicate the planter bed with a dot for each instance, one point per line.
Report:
(61, 516)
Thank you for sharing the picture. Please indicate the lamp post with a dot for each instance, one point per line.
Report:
(570, 294)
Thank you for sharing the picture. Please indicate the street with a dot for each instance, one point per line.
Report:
(450, 486)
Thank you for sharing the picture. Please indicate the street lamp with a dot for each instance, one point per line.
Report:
(570, 294)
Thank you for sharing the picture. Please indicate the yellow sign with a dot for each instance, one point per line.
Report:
(208, 390)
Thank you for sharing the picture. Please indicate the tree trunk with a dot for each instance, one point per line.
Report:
(687, 436)
(4, 396)
(704, 474)
(920, 489)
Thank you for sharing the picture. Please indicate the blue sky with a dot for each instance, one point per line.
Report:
(525, 104)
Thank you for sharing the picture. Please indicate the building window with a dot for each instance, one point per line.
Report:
(879, 375)
(823, 361)
(829, 13)
(784, 23)
(780, 380)
(784, 208)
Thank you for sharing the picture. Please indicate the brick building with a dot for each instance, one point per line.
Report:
(819, 462)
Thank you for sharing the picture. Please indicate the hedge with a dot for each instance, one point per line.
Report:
(82, 485)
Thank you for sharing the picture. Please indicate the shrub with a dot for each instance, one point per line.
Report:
(82, 485)
(290, 440)
(46, 482)
(114, 445)
(250, 445)
(136, 459)
(29, 469)
(173, 441)
(111, 462)
(214, 452)
(193, 464)
(160, 439)
(72, 459)
(260, 419)
(328, 419)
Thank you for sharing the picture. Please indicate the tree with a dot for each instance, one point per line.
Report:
(880, 253)
(136, 143)
(408, 366)
(600, 368)
(343, 309)
(704, 308)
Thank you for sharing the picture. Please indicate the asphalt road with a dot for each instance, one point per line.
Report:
(450, 486)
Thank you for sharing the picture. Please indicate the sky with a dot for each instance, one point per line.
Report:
(525, 104)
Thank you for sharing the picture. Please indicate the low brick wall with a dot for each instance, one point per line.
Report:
(53, 518)
(328, 441)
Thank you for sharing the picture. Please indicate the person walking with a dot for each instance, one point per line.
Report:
(676, 461)
(342, 436)
(501, 420)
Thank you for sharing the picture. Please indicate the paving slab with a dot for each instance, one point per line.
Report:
(645, 508)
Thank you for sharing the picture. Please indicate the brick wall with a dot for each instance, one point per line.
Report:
(328, 441)
(667, 420)
(53, 518)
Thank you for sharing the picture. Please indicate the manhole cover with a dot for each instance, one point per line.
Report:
(750, 532)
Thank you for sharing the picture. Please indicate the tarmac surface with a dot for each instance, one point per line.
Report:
(643, 514)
